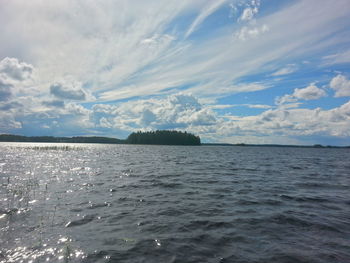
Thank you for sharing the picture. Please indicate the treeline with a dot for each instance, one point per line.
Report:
(153, 137)
(163, 138)
(79, 139)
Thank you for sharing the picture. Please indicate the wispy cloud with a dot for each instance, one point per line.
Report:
(337, 58)
(205, 12)
(128, 55)
(285, 70)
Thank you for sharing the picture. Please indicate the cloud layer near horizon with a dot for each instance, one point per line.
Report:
(234, 71)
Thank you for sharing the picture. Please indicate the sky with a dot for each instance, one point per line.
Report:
(257, 71)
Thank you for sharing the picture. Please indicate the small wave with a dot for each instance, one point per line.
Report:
(312, 185)
(247, 202)
(94, 206)
(86, 219)
(296, 167)
(305, 223)
(305, 199)
(207, 225)
(289, 258)
(167, 185)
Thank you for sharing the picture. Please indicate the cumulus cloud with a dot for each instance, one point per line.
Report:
(8, 122)
(54, 103)
(14, 75)
(70, 90)
(11, 68)
(341, 85)
(311, 92)
(288, 123)
(175, 111)
(7, 106)
(5, 90)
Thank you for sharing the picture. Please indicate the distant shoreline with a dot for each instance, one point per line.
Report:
(108, 140)
(159, 137)
(274, 145)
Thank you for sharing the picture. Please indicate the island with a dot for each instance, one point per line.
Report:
(159, 137)
(163, 138)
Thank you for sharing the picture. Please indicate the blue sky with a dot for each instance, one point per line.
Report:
(230, 71)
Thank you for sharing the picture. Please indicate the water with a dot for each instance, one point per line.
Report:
(127, 203)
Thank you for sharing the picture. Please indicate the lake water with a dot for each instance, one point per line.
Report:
(133, 203)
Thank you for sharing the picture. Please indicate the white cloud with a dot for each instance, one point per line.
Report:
(341, 85)
(8, 123)
(252, 106)
(71, 90)
(221, 106)
(157, 40)
(5, 90)
(8, 106)
(54, 103)
(12, 69)
(251, 32)
(25, 107)
(311, 92)
(337, 58)
(205, 12)
(286, 70)
(175, 111)
(285, 99)
(134, 55)
(185, 112)
(281, 122)
(248, 13)
(258, 106)
(251, 28)
(15, 77)
(146, 50)
(250, 9)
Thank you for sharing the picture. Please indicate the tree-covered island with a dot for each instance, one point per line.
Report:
(163, 138)
(159, 137)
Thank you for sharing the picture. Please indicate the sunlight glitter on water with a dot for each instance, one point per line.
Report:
(185, 204)
(64, 252)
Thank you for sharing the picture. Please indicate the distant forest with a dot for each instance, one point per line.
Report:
(163, 138)
(81, 139)
(154, 137)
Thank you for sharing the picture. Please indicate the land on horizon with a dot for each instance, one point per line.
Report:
(128, 140)
(159, 137)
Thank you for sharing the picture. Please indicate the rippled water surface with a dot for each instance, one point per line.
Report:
(125, 203)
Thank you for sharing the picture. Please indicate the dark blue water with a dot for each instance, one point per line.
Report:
(124, 203)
